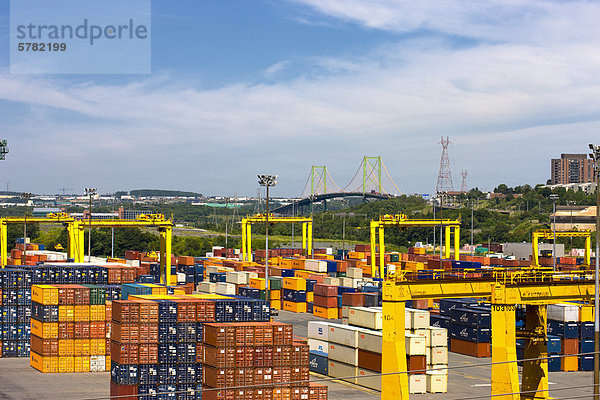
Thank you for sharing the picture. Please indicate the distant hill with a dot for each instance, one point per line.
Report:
(164, 193)
(5, 193)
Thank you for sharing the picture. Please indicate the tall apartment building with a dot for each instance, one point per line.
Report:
(571, 168)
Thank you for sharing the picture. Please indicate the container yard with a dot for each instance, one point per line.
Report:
(326, 326)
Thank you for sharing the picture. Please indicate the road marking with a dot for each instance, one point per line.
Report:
(481, 385)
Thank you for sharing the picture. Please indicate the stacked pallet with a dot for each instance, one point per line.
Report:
(69, 328)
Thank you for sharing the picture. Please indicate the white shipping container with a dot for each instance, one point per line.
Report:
(180, 277)
(437, 355)
(563, 312)
(345, 321)
(238, 278)
(337, 369)
(225, 288)
(346, 335)
(211, 269)
(370, 340)
(249, 275)
(320, 346)
(315, 265)
(366, 317)
(415, 345)
(418, 318)
(347, 282)
(438, 336)
(353, 272)
(437, 382)
(407, 320)
(369, 379)
(417, 383)
(207, 287)
(318, 330)
(132, 263)
(345, 354)
(328, 280)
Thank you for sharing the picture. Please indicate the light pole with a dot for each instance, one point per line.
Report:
(595, 155)
(26, 196)
(90, 192)
(226, 215)
(553, 197)
(441, 224)
(112, 231)
(570, 203)
(434, 229)
(267, 180)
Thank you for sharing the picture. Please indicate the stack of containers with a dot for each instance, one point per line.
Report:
(471, 331)
(586, 336)
(325, 301)
(563, 321)
(294, 294)
(15, 305)
(68, 328)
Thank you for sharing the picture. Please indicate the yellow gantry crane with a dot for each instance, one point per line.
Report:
(549, 234)
(504, 298)
(262, 218)
(75, 230)
(402, 221)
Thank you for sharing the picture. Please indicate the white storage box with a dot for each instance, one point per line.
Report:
(355, 273)
(407, 320)
(207, 287)
(347, 282)
(211, 269)
(437, 355)
(419, 319)
(437, 382)
(341, 353)
(345, 311)
(225, 288)
(318, 330)
(238, 278)
(417, 383)
(366, 317)
(315, 265)
(424, 333)
(415, 345)
(438, 336)
(563, 312)
(319, 346)
(331, 281)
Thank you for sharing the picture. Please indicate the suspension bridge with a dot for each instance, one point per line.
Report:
(369, 182)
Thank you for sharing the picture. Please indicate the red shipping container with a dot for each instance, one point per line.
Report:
(321, 289)
(353, 299)
(326, 302)
(123, 392)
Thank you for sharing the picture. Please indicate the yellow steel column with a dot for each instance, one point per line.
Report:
(244, 240)
(588, 250)
(76, 242)
(167, 245)
(373, 246)
(304, 252)
(309, 238)
(3, 242)
(163, 257)
(447, 242)
(505, 376)
(535, 373)
(457, 243)
(249, 241)
(393, 358)
(381, 251)
(535, 251)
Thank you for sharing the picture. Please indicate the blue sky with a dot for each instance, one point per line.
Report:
(245, 87)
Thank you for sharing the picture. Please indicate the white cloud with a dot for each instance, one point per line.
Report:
(508, 105)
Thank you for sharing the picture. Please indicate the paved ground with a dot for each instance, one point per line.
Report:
(19, 381)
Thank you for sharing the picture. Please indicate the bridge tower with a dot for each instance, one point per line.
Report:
(372, 173)
(318, 180)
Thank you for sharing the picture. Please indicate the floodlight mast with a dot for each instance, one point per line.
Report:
(267, 180)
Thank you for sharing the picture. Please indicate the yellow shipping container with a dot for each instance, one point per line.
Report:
(294, 283)
(44, 294)
(586, 313)
(97, 312)
(257, 283)
(66, 365)
(298, 263)
(66, 314)
(275, 295)
(285, 263)
(294, 307)
(107, 363)
(97, 347)
(47, 365)
(310, 297)
(82, 347)
(276, 304)
(569, 363)
(66, 347)
(299, 273)
(44, 330)
(327, 313)
(82, 313)
(357, 255)
(81, 364)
